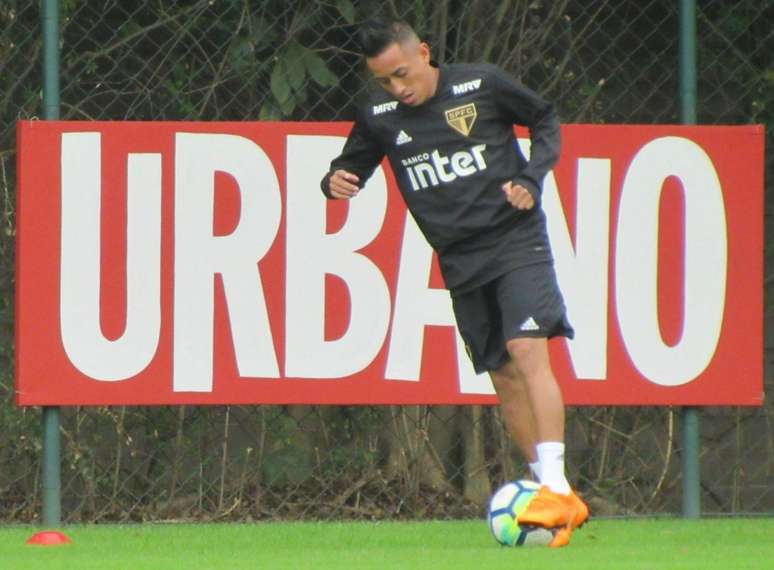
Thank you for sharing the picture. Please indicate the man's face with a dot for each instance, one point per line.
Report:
(404, 70)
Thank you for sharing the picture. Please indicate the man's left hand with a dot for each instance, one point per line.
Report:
(518, 196)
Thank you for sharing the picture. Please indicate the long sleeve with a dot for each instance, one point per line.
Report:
(525, 107)
(361, 155)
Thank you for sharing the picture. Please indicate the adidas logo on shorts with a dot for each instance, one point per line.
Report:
(403, 138)
(529, 325)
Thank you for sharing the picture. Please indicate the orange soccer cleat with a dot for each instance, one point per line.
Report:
(553, 510)
(561, 538)
(582, 513)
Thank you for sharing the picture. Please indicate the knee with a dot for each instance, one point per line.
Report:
(508, 381)
(529, 356)
(520, 350)
(504, 378)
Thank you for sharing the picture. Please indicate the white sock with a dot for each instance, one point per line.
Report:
(535, 469)
(551, 458)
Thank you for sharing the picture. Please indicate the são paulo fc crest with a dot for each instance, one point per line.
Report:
(461, 119)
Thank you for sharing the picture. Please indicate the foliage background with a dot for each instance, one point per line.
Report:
(600, 61)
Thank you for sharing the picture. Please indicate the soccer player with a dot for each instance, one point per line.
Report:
(448, 133)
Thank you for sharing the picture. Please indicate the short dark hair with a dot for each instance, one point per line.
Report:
(374, 36)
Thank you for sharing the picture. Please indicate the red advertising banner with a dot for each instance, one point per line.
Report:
(199, 263)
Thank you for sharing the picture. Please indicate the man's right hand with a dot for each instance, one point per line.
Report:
(343, 185)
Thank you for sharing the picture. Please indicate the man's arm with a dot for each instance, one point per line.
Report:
(354, 166)
(525, 107)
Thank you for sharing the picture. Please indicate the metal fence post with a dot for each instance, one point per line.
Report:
(688, 61)
(689, 418)
(52, 485)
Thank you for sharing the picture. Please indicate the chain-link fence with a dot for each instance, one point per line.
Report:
(599, 61)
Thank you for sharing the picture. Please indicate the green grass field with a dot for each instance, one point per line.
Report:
(727, 544)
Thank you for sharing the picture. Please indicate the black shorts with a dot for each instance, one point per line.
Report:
(525, 302)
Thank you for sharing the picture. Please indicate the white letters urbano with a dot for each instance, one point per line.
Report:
(200, 255)
(82, 337)
(582, 270)
(417, 306)
(312, 253)
(637, 261)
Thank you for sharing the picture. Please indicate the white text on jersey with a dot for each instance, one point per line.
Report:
(384, 107)
(466, 87)
(431, 169)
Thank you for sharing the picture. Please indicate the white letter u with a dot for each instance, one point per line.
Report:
(82, 337)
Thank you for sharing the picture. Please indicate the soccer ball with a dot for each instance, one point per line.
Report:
(508, 502)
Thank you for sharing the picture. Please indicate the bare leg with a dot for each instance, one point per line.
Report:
(555, 505)
(530, 360)
(516, 409)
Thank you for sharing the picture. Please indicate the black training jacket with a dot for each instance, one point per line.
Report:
(450, 156)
